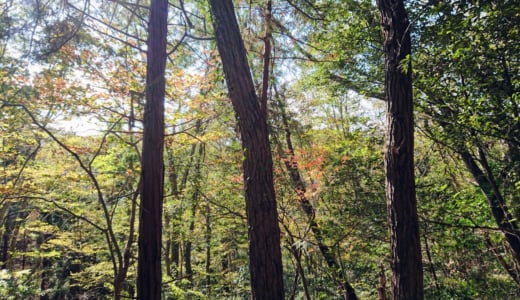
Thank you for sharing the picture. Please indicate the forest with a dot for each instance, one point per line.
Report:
(261, 149)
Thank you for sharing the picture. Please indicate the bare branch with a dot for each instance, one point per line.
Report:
(65, 209)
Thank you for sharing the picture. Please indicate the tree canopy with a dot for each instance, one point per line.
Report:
(276, 149)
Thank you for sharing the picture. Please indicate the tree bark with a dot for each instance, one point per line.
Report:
(265, 261)
(406, 264)
(267, 57)
(152, 176)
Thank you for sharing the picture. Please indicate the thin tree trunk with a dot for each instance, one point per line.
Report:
(149, 275)
(511, 270)
(430, 262)
(172, 250)
(194, 204)
(207, 237)
(265, 259)
(499, 209)
(407, 272)
(8, 223)
(487, 184)
(297, 254)
(127, 254)
(299, 272)
(267, 58)
(381, 288)
(188, 243)
(299, 186)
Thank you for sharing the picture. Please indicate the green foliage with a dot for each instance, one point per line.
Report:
(17, 285)
(349, 47)
(66, 200)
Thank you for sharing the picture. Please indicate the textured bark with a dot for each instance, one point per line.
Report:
(407, 273)
(265, 261)
(152, 176)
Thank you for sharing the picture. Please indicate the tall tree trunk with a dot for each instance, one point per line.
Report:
(152, 175)
(407, 273)
(265, 259)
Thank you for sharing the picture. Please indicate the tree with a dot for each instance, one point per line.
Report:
(300, 188)
(470, 91)
(407, 274)
(464, 79)
(149, 275)
(69, 199)
(265, 260)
